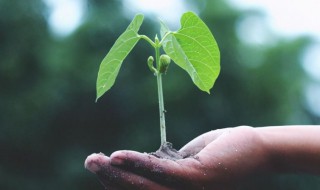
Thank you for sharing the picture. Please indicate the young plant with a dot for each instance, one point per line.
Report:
(192, 47)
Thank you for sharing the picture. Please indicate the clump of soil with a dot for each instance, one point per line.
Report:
(166, 151)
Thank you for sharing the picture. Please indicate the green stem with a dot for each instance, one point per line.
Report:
(160, 96)
(164, 37)
(148, 40)
(161, 110)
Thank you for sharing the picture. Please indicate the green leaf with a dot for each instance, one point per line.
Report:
(195, 50)
(163, 29)
(110, 65)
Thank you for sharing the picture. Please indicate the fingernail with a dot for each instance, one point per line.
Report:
(117, 161)
(94, 162)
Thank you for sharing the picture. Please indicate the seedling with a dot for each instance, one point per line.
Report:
(192, 47)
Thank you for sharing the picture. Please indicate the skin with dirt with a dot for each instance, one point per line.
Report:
(109, 173)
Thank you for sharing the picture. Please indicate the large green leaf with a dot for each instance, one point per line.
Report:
(194, 49)
(110, 65)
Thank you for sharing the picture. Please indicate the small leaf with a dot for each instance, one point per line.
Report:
(195, 50)
(110, 65)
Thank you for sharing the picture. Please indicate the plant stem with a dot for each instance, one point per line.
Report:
(165, 36)
(160, 96)
(161, 110)
(148, 40)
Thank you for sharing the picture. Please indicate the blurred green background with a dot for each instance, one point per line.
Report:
(49, 120)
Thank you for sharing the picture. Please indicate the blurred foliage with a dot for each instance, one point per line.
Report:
(49, 121)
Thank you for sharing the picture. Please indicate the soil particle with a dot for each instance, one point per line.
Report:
(167, 152)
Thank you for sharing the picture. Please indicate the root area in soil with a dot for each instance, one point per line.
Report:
(167, 152)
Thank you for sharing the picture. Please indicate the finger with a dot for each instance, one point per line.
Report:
(115, 178)
(122, 179)
(197, 144)
(99, 163)
(95, 162)
(164, 171)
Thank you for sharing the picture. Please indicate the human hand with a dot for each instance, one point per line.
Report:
(218, 159)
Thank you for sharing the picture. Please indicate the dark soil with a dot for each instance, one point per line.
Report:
(166, 151)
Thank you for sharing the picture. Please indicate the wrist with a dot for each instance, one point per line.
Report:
(267, 144)
(292, 148)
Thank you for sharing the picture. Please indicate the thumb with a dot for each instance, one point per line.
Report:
(200, 142)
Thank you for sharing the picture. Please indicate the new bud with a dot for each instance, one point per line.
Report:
(150, 64)
(164, 63)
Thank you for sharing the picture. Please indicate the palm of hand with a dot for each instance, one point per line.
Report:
(217, 159)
